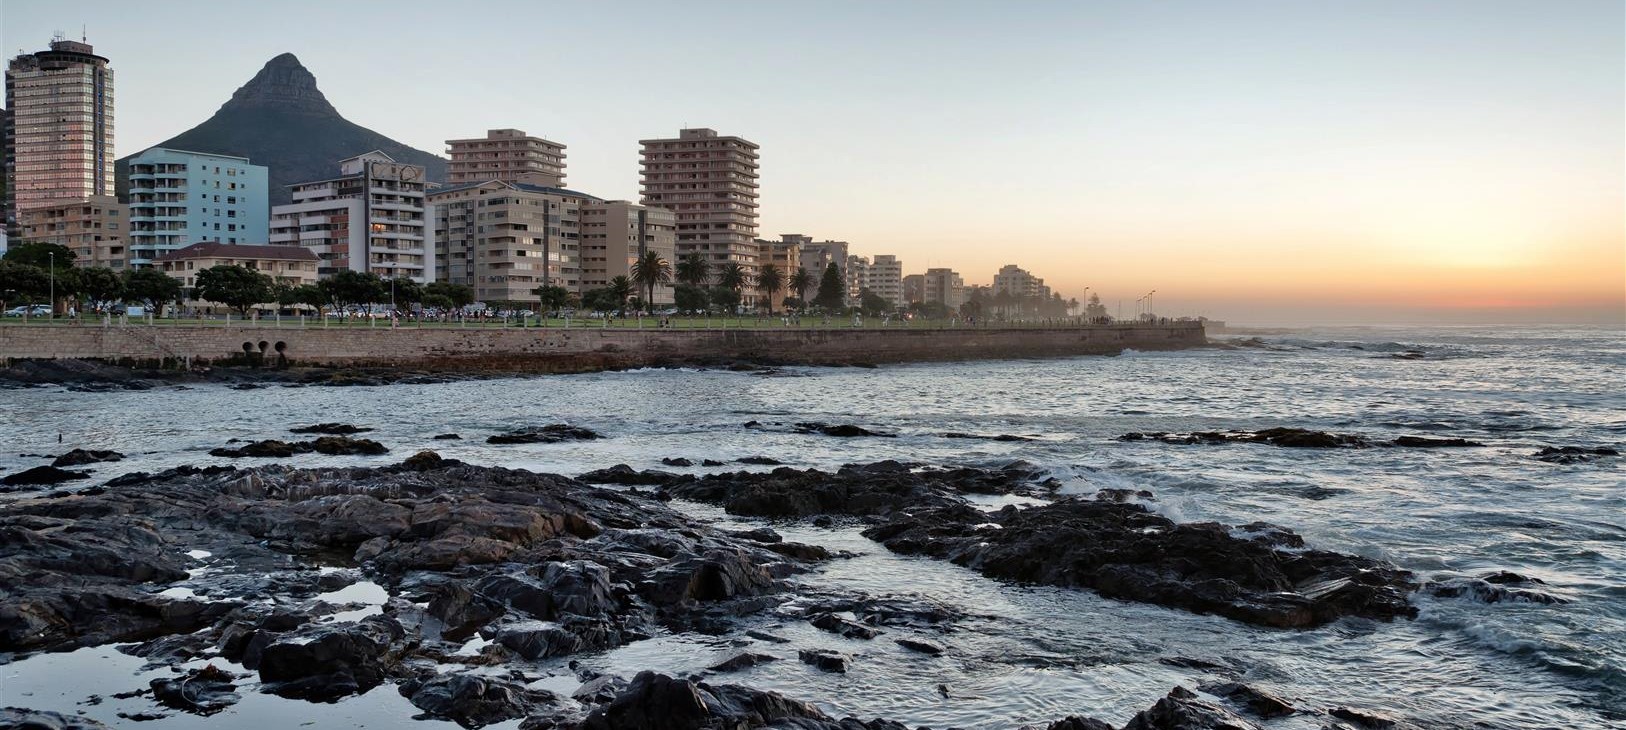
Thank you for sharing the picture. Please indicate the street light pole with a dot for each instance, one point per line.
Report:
(51, 255)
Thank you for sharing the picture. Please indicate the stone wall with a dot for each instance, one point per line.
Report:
(567, 350)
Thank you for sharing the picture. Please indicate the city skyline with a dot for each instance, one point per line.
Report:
(1260, 163)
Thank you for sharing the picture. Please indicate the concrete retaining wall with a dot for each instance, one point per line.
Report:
(569, 350)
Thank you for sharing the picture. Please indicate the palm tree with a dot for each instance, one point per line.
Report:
(621, 287)
(733, 276)
(651, 270)
(800, 282)
(770, 279)
(693, 270)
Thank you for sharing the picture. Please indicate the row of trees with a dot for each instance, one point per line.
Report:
(33, 272)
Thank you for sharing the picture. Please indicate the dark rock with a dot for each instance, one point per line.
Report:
(550, 434)
(627, 476)
(1363, 718)
(203, 691)
(1126, 551)
(838, 625)
(759, 534)
(471, 701)
(328, 661)
(341, 446)
(332, 429)
(1573, 454)
(1122, 495)
(42, 475)
(759, 461)
(982, 437)
(924, 647)
(599, 690)
(330, 445)
(1498, 587)
(765, 636)
(1181, 710)
(872, 489)
(1285, 437)
(423, 461)
(825, 659)
(17, 718)
(679, 461)
(742, 660)
(658, 702)
(1256, 702)
(447, 437)
(1075, 722)
(710, 462)
(843, 430)
(81, 457)
(1420, 442)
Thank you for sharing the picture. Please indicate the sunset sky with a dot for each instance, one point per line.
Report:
(1259, 162)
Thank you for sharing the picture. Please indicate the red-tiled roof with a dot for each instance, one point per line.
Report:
(216, 249)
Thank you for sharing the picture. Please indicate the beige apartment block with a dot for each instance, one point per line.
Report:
(914, 289)
(616, 233)
(506, 239)
(287, 265)
(816, 256)
(505, 154)
(856, 278)
(785, 255)
(93, 229)
(944, 286)
(59, 130)
(884, 277)
(1017, 282)
(710, 183)
(373, 217)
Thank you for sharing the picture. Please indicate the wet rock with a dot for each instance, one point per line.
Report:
(325, 662)
(1126, 551)
(1075, 722)
(599, 690)
(872, 489)
(983, 437)
(710, 462)
(203, 691)
(81, 457)
(1181, 710)
(825, 659)
(341, 446)
(17, 718)
(447, 437)
(758, 534)
(742, 660)
(332, 429)
(758, 461)
(41, 475)
(330, 445)
(679, 461)
(1364, 718)
(1285, 437)
(1573, 454)
(658, 702)
(1420, 442)
(550, 434)
(838, 625)
(765, 636)
(843, 430)
(1122, 495)
(1498, 587)
(1256, 702)
(471, 701)
(924, 647)
(627, 476)
(423, 461)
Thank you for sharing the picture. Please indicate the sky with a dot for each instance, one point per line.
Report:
(1256, 162)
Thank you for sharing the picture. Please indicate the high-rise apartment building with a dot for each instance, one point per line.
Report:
(884, 277)
(178, 198)
(58, 128)
(505, 154)
(817, 256)
(505, 239)
(372, 217)
(1017, 282)
(710, 183)
(943, 286)
(94, 229)
(856, 278)
(615, 233)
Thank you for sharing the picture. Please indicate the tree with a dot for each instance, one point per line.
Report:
(832, 292)
(21, 281)
(151, 287)
(800, 282)
(552, 298)
(101, 286)
(873, 304)
(600, 299)
(724, 298)
(403, 292)
(770, 280)
(690, 298)
(41, 255)
(693, 270)
(620, 287)
(234, 286)
(649, 271)
(733, 276)
(451, 296)
(354, 288)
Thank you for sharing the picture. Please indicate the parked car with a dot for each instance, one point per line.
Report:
(31, 310)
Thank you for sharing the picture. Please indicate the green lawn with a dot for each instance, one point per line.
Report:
(676, 322)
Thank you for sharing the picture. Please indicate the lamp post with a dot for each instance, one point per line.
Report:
(1149, 309)
(51, 256)
(1086, 305)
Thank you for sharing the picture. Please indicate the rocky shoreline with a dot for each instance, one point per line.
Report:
(488, 568)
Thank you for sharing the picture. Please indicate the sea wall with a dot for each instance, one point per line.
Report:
(569, 350)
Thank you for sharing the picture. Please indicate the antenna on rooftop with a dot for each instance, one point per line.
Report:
(84, 33)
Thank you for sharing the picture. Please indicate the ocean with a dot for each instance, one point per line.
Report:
(1026, 654)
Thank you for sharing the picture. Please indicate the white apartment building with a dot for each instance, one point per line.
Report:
(372, 217)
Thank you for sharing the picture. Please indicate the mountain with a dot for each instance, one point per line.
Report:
(281, 120)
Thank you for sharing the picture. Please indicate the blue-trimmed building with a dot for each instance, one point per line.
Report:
(178, 198)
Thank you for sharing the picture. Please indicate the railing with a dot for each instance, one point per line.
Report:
(685, 322)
